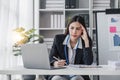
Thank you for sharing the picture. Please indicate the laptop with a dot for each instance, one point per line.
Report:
(36, 56)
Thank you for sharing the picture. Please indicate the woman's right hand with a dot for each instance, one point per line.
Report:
(59, 63)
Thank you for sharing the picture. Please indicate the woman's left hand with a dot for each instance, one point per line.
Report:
(85, 37)
(84, 34)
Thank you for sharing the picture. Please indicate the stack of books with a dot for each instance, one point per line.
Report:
(57, 20)
(55, 4)
(101, 4)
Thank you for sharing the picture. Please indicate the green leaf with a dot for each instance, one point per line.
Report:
(29, 32)
(19, 29)
(17, 53)
(31, 38)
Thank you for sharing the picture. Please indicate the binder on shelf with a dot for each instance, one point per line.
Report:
(52, 20)
(72, 3)
(42, 4)
(62, 21)
(67, 3)
(113, 11)
(58, 20)
(55, 20)
(86, 18)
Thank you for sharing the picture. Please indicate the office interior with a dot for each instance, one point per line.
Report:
(49, 17)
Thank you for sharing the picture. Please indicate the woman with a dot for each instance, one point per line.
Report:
(73, 47)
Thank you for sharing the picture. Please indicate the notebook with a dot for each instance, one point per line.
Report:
(36, 56)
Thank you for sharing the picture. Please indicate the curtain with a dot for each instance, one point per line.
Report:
(13, 13)
(9, 19)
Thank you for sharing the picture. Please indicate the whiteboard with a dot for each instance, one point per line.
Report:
(104, 52)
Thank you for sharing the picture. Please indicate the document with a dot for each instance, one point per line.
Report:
(84, 66)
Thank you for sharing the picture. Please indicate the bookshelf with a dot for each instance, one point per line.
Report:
(51, 16)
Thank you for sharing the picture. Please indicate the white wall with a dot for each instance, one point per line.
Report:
(26, 13)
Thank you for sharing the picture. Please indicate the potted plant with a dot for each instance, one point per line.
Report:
(23, 36)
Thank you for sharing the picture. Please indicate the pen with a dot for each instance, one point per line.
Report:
(56, 58)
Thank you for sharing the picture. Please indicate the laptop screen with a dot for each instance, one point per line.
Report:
(35, 56)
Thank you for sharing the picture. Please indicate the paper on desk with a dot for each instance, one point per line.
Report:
(84, 66)
(114, 64)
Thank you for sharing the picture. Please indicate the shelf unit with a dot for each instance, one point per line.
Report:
(51, 16)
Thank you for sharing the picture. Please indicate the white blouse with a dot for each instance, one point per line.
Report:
(72, 51)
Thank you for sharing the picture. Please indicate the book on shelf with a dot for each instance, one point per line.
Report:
(57, 20)
(70, 4)
(67, 4)
(55, 1)
(102, 4)
(42, 4)
(86, 18)
(54, 6)
(51, 4)
(52, 20)
(101, 7)
(101, 1)
(94, 21)
(62, 21)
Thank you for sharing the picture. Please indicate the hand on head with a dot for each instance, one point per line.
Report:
(84, 34)
(85, 37)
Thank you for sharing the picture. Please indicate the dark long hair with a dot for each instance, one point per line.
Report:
(76, 18)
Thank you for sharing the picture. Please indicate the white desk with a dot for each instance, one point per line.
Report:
(105, 70)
